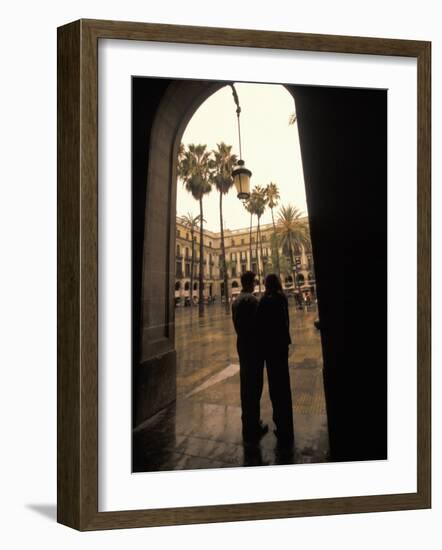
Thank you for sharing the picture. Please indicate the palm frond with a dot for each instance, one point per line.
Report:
(194, 169)
(272, 193)
(292, 119)
(222, 164)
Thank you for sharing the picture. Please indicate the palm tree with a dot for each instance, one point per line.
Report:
(258, 202)
(294, 234)
(248, 205)
(194, 169)
(223, 163)
(181, 151)
(192, 223)
(272, 193)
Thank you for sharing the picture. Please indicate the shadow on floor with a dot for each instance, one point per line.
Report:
(48, 511)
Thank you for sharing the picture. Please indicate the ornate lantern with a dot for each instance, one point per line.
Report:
(241, 178)
(241, 175)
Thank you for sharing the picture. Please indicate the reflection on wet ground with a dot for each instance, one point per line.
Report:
(202, 429)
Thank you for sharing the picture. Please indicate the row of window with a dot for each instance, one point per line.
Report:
(195, 238)
(234, 273)
(186, 273)
(210, 244)
(233, 255)
(243, 255)
(187, 286)
(233, 270)
(300, 278)
(232, 241)
(187, 254)
(235, 284)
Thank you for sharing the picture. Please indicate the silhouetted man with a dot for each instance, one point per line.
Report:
(251, 365)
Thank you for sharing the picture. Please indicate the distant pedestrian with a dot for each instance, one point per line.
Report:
(251, 363)
(274, 337)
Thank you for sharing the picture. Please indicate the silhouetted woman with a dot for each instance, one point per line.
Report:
(274, 336)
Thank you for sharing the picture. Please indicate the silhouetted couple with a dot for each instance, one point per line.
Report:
(263, 336)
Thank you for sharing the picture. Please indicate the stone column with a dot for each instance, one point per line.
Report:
(304, 260)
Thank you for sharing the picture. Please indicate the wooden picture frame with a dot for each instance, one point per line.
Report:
(78, 274)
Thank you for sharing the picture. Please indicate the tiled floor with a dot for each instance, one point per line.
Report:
(202, 429)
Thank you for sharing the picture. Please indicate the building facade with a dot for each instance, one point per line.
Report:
(243, 253)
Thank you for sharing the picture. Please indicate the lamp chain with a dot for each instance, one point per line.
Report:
(238, 112)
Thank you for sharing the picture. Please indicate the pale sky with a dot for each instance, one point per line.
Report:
(270, 149)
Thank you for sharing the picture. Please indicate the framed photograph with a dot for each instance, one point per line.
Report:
(243, 274)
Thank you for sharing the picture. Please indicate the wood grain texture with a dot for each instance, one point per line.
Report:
(424, 274)
(77, 225)
(252, 38)
(68, 276)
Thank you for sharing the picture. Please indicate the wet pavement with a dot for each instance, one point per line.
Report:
(202, 429)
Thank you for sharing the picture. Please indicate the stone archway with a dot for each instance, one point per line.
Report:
(155, 373)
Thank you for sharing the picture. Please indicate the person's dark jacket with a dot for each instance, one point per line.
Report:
(273, 323)
(244, 310)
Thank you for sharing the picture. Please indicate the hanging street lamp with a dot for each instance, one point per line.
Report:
(241, 179)
(240, 174)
